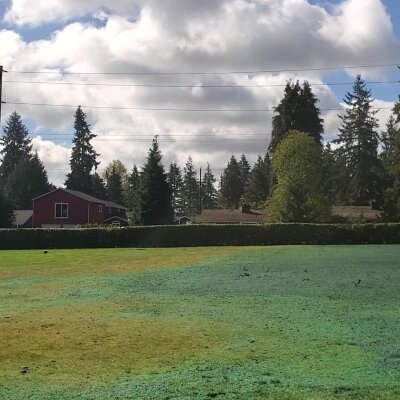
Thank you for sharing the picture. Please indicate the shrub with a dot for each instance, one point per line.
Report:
(201, 235)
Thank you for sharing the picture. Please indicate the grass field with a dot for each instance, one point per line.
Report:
(278, 323)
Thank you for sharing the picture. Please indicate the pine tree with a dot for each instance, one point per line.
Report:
(98, 186)
(27, 181)
(358, 147)
(258, 188)
(155, 194)
(391, 162)
(6, 212)
(16, 145)
(297, 111)
(83, 158)
(209, 193)
(190, 189)
(132, 196)
(396, 111)
(244, 172)
(231, 184)
(114, 186)
(175, 183)
(336, 180)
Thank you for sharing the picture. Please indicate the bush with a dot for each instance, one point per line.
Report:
(201, 235)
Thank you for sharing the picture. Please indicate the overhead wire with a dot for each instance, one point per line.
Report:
(246, 72)
(171, 109)
(192, 86)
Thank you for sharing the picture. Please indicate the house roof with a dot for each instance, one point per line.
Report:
(86, 197)
(366, 212)
(229, 217)
(117, 217)
(21, 217)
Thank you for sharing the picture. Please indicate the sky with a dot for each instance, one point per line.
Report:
(138, 68)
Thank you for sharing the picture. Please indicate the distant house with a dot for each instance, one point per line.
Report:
(243, 216)
(22, 219)
(366, 213)
(64, 208)
(184, 220)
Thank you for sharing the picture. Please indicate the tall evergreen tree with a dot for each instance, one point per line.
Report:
(257, 190)
(27, 181)
(175, 183)
(209, 193)
(231, 184)
(336, 179)
(132, 196)
(297, 111)
(190, 189)
(114, 187)
(6, 212)
(155, 193)
(98, 186)
(358, 147)
(244, 172)
(391, 162)
(83, 158)
(16, 145)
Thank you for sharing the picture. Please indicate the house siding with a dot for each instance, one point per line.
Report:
(79, 211)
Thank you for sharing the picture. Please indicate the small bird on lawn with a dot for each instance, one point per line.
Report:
(359, 281)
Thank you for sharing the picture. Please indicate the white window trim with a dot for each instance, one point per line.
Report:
(55, 210)
(99, 208)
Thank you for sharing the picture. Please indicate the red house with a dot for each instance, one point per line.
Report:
(64, 208)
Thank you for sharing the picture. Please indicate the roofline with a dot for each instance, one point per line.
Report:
(116, 216)
(46, 194)
(105, 203)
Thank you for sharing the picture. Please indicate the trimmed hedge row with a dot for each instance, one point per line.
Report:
(201, 235)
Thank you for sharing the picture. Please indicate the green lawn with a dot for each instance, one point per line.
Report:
(301, 323)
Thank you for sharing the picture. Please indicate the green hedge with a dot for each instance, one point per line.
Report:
(201, 235)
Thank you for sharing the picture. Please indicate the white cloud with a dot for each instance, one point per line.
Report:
(183, 35)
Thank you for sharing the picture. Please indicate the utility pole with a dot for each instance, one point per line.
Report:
(200, 192)
(1, 88)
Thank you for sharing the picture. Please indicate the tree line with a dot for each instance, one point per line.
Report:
(298, 179)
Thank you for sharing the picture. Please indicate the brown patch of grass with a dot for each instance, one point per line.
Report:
(80, 344)
(22, 264)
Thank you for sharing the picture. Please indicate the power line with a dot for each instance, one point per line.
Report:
(68, 136)
(171, 109)
(222, 140)
(248, 72)
(192, 86)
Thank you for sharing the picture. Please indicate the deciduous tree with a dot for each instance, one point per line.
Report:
(298, 195)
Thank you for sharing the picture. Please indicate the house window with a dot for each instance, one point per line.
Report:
(61, 210)
(116, 224)
(99, 208)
